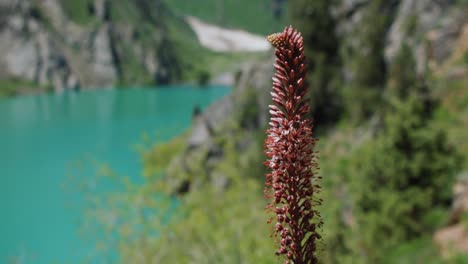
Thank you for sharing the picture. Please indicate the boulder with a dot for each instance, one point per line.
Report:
(453, 239)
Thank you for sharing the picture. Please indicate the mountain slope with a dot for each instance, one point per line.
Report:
(94, 43)
(228, 157)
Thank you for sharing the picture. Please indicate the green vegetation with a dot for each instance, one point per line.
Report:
(176, 44)
(80, 12)
(214, 228)
(402, 74)
(451, 116)
(314, 20)
(150, 43)
(167, 37)
(14, 86)
(384, 195)
(365, 58)
(388, 163)
(399, 183)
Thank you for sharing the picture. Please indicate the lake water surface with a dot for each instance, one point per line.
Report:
(42, 136)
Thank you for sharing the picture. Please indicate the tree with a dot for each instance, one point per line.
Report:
(400, 179)
(402, 73)
(366, 59)
(314, 20)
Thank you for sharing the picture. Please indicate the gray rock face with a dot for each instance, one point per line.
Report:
(226, 78)
(42, 44)
(350, 12)
(102, 61)
(30, 52)
(100, 9)
(21, 56)
(203, 148)
(414, 22)
(429, 27)
(201, 132)
(257, 77)
(441, 39)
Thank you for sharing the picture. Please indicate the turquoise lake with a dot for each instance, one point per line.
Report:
(41, 137)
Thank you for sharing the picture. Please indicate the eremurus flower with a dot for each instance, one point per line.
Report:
(289, 145)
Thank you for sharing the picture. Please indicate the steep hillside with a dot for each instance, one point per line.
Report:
(388, 94)
(61, 44)
(439, 35)
(388, 66)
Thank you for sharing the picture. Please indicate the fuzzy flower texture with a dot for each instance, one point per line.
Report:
(292, 184)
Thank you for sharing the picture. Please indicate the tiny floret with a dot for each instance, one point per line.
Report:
(277, 40)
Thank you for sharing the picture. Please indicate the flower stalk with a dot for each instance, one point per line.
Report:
(292, 184)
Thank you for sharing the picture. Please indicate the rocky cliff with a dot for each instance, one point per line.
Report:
(435, 27)
(83, 44)
(429, 27)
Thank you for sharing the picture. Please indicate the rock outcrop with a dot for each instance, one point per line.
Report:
(437, 22)
(453, 239)
(203, 150)
(44, 44)
(429, 27)
(222, 120)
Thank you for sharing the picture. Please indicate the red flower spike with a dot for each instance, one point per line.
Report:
(292, 184)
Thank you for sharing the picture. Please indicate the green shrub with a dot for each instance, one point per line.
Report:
(399, 180)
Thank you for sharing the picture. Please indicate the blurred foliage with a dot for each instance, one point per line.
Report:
(364, 56)
(388, 166)
(209, 224)
(10, 87)
(215, 227)
(398, 182)
(402, 73)
(248, 115)
(81, 12)
(314, 20)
